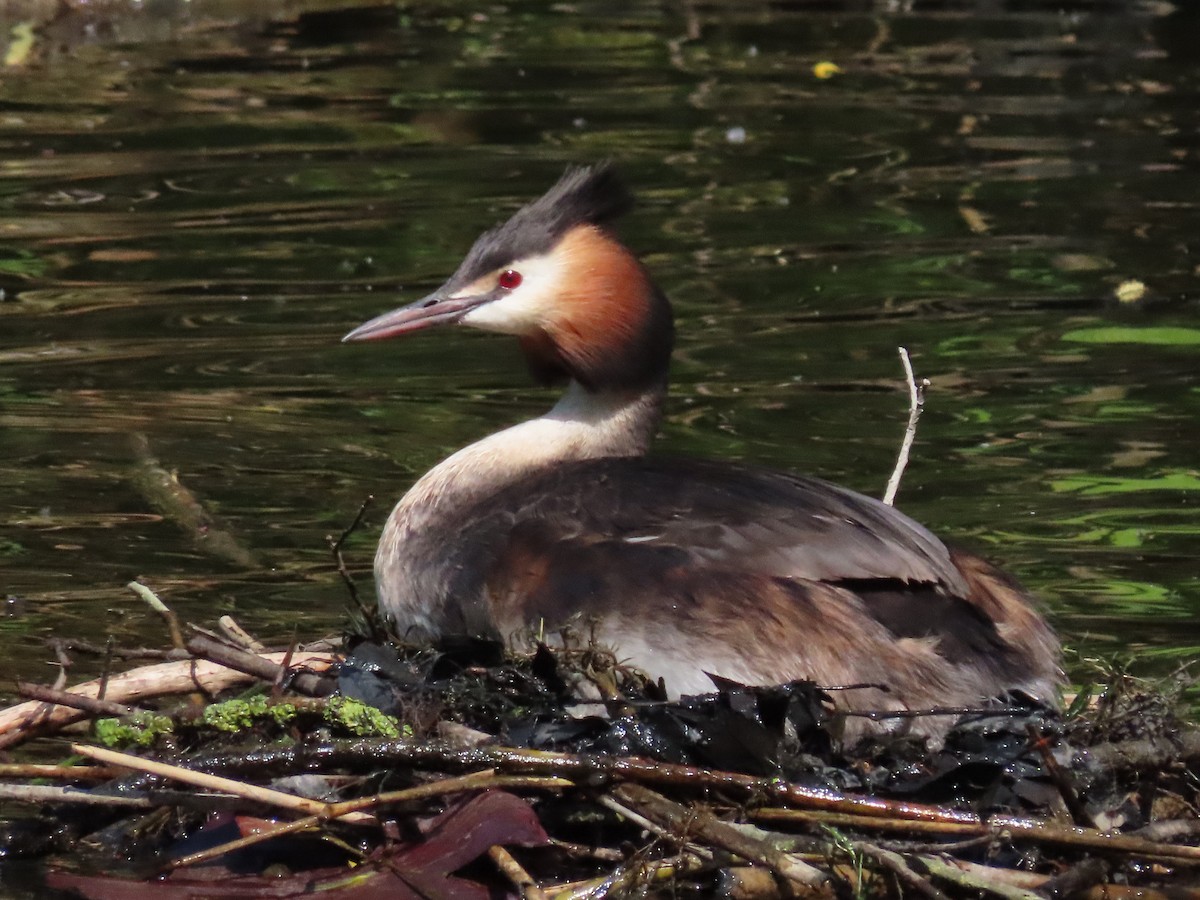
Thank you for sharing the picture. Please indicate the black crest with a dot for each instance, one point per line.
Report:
(585, 195)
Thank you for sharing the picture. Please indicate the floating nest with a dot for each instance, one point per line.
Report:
(220, 770)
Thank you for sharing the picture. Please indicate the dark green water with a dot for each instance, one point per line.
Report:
(195, 208)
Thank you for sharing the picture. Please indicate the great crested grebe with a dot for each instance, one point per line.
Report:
(684, 567)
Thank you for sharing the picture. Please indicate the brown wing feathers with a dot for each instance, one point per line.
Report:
(618, 537)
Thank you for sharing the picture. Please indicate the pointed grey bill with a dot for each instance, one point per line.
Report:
(435, 309)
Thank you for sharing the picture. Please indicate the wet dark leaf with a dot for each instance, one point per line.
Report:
(421, 871)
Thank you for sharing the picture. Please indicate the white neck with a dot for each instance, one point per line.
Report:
(581, 425)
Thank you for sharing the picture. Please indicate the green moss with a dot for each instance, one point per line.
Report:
(281, 713)
(235, 715)
(139, 730)
(360, 719)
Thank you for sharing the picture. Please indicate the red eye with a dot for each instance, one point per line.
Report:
(510, 279)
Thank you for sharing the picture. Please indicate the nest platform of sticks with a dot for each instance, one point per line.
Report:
(223, 770)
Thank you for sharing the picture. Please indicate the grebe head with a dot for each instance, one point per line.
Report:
(555, 276)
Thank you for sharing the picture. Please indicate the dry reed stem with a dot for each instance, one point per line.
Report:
(252, 792)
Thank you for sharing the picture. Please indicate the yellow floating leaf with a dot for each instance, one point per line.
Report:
(1130, 291)
(20, 45)
(122, 255)
(826, 69)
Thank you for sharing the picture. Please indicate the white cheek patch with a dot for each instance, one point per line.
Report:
(526, 307)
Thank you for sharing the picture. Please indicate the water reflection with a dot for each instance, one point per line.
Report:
(196, 206)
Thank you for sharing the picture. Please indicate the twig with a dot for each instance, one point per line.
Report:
(475, 781)
(90, 705)
(151, 599)
(515, 873)
(266, 796)
(1077, 879)
(373, 752)
(145, 799)
(587, 852)
(269, 669)
(949, 846)
(82, 646)
(284, 673)
(234, 632)
(106, 669)
(898, 866)
(1010, 827)
(879, 715)
(485, 780)
(916, 403)
(871, 820)
(45, 793)
(63, 773)
(641, 821)
(64, 664)
(1062, 780)
(335, 546)
(1007, 883)
(618, 882)
(682, 821)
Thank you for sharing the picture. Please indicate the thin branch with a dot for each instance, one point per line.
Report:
(682, 821)
(1061, 778)
(106, 670)
(636, 871)
(515, 873)
(62, 773)
(485, 780)
(93, 705)
(612, 804)
(64, 664)
(1009, 884)
(1085, 874)
(916, 403)
(270, 667)
(253, 792)
(151, 599)
(45, 793)
(231, 630)
(335, 547)
(898, 866)
(79, 645)
(147, 799)
(1009, 827)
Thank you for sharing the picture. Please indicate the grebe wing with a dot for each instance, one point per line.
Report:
(653, 540)
(729, 517)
